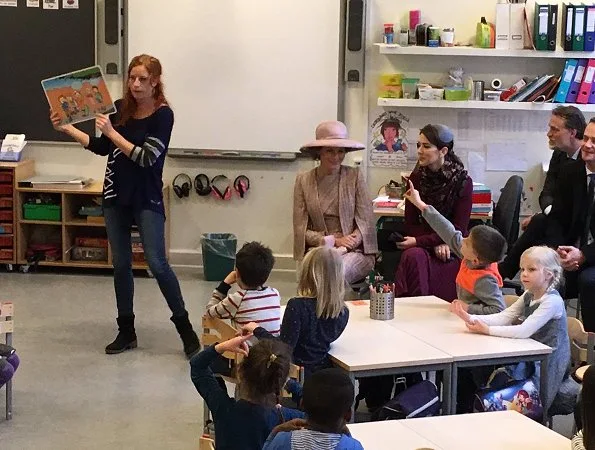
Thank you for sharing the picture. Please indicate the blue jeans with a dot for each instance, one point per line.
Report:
(151, 225)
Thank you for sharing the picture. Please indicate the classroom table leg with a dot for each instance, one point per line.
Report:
(452, 407)
(447, 374)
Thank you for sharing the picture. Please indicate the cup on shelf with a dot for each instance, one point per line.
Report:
(409, 87)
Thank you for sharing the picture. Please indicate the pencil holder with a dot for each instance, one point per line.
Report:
(382, 304)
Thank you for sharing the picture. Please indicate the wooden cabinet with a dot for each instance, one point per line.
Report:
(64, 232)
(10, 174)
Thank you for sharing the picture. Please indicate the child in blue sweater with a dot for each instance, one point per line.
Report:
(246, 422)
(328, 397)
(318, 316)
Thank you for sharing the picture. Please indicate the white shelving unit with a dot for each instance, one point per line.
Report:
(395, 49)
(475, 104)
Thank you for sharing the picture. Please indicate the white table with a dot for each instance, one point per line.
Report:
(370, 347)
(389, 435)
(487, 431)
(427, 319)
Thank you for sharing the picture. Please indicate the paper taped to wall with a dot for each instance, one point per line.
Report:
(507, 157)
(476, 165)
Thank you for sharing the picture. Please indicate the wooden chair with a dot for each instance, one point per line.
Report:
(510, 299)
(582, 344)
(581, 348)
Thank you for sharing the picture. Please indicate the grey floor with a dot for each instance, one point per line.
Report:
(69, 395)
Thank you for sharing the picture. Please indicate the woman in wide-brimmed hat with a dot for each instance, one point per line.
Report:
(331, 204)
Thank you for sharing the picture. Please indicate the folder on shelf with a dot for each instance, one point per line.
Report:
(540, 29)
(516, 40)
(576, 81)
(567, 26)
(578, 31)
(542, 93)
(534, 87)
(502, 26)
(587, 83)
(529, 86)
(567, 77)
(590, 29)
(552, 27)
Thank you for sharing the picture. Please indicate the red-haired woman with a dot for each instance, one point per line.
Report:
(132, 193)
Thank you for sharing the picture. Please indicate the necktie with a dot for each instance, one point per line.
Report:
(590, 198)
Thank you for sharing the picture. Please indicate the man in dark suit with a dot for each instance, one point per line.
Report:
(571, 226)
(565, 135)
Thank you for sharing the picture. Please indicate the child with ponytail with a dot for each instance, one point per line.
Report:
(247, 421)
(539, 314)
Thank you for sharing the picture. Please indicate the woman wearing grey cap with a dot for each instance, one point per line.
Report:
(426, 266)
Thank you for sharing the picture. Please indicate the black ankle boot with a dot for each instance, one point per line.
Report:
(187, 334)
(126, 338)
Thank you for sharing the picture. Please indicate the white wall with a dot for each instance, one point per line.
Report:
(265, 214)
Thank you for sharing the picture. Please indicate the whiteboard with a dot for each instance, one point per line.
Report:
(242, 75)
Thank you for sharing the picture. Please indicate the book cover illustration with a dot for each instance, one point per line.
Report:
(78, 96)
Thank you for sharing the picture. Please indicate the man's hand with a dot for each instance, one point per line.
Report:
(525, 222)
(408, 242)
(442, 252)
(571, 258)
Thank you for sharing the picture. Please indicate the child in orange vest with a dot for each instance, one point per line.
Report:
(478, 282)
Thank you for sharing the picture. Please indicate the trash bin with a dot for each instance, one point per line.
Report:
(218, 255)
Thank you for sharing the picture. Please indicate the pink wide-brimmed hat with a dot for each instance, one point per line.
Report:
(331, 133)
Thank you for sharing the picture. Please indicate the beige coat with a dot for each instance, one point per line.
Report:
(355, 209)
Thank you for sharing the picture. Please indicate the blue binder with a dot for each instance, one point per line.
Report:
(590, 29)
(567, 77)
(575, 85)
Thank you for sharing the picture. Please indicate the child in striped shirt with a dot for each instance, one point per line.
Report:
(254, 301)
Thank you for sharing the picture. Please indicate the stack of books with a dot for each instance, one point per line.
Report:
(385, 202)
(482, 200)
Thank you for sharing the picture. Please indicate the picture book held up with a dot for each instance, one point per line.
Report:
(78, 96)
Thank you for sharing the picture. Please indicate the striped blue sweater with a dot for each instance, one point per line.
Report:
(136, 181)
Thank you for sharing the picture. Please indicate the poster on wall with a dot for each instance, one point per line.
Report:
(389, 145)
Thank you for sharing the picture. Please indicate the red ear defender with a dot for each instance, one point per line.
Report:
(219, 182)
(241, 184)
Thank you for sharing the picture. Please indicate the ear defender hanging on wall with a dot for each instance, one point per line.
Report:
(241, 184)
(202, 184)
(221, 180)
(182, 190)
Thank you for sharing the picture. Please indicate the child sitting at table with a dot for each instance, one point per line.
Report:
(328, 398)
(254, 301)
(585, 438)
(318, 316)
(478, 281)
(245, 422)
(539, 314)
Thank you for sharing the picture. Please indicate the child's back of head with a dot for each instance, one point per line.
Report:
(264, 371)
(488, 244)
(321, 277)
(254, 263)
(327, 399)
